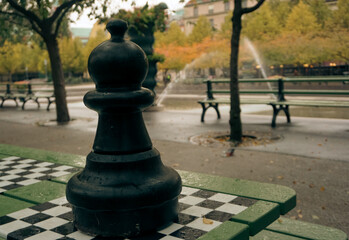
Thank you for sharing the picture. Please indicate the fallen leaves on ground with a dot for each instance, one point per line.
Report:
(250, 138)
(207, 221)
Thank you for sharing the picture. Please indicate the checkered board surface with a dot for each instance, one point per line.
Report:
(54, 219)
(17, 172)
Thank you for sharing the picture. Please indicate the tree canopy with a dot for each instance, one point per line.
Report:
(294, 33)
(46, 18)
(201, 30)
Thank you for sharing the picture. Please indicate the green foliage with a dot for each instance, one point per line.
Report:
(320, 10)
(71, 51)
(291, 48)
(173, 35)
(201, 30)
(145, 19)
(280, 10)
(340, 45)
(156, 57)
(11, 58)
(11, 33)
(212, 59)
(342, 14)
(32, 56)
(16, 57)
(302, 20)
(261, 24)
(92, 43)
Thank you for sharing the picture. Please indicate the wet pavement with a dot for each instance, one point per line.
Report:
(311, 155)
(308, 137)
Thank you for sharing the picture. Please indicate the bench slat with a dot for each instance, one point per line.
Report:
(319, 92)
(250, 91)
(314, 103)
(242, 101)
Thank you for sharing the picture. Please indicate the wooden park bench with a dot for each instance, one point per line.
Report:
(300, 88)
(25, 92)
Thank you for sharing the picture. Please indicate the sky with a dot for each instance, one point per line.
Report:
(85, 22)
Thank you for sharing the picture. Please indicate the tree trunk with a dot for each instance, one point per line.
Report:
(235, 118)
(58, 80)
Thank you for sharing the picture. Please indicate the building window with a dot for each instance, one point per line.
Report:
(226, 6)
(196, 12)
(210, 9)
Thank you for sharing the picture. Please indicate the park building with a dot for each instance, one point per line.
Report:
(82, 33)
(215, 11)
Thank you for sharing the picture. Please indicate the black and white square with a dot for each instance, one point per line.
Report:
(199, 212)
(17, 172)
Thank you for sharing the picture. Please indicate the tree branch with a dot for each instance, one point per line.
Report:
(251, 9)
(340, 54)
(28, 14)
(39, 3)
(36, 29)
(61, 8)
(59, 21)
(12, 14)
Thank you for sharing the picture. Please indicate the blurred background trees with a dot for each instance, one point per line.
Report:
(298, 33)
(293, 33)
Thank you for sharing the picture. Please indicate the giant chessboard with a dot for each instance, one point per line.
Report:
(199, 212)
(17, 172)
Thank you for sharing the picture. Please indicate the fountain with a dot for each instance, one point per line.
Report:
(165, 92)
(258, 60)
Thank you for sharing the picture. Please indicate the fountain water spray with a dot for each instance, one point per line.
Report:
(164, 93)
(256, 56)
(258, 60)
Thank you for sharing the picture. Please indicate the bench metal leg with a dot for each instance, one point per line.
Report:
(26, 100)
(215, 106)
(204, 109)
(276, 110)
(49, 104)
(287, 113)
(4, 99)
(275, 113)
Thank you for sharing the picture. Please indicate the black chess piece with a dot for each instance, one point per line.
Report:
(124, 189)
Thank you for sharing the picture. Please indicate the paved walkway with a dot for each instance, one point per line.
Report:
(311, 155)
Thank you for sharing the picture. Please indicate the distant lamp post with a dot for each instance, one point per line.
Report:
(306, 65)
(258, 67)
